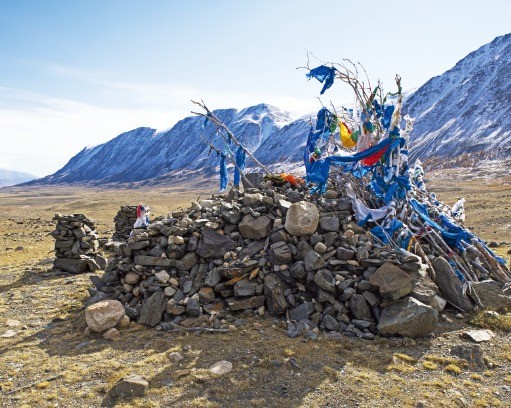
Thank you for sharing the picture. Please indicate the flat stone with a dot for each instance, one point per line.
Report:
(478, 336)
(72, 265)
(154, 261)
(329, 323)
(450, 285)
(245, 303)
(133, 386)
(392, 281)
(255, 228)
(345, 253)
(214, 245)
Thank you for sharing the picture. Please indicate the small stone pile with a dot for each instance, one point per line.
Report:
(276, 250)
(76, 244)
(124, 221)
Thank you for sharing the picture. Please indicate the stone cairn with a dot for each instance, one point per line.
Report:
(124, 221)
(274, 249)
(76, 244)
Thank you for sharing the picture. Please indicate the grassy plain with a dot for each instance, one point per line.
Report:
(47, 361)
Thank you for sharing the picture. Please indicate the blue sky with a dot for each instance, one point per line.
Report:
(77, 73)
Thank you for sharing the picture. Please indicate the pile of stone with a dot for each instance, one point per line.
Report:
(76, 244)
(124, 221)
(274, 250)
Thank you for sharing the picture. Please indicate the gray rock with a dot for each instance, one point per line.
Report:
(325, 280)
(450, 285)
(302, 218)
(274, 288)
(214, 245)
(320, 248)
(133, 386)
(491, 295)
(230, 214)
(329, 224)
(359, 307)
(301, 312)
(329, 323)
(245, 288)
(255, 228)
(393, 282)
(188, 261)
(279, 253)
(297, 271)
(193, 308)
(252, 200)
(313, 261)
(213, 278)
(345, 253)
(408, 317)
(152, 309)
(254, 180)
(101, 261)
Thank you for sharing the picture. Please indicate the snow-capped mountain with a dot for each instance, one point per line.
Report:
(145, 154)
(466, 110)
(11, 177)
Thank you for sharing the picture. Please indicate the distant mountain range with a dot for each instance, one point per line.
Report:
(466, 110)
(11, 178)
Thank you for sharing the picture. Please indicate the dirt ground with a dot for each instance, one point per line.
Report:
(46, 360)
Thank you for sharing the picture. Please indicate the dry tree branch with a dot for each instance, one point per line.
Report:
(221, 126)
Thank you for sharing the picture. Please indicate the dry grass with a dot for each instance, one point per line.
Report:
(492, 321)
(328, 372)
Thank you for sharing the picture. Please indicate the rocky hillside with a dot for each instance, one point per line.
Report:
(145, 154)
(466, 109)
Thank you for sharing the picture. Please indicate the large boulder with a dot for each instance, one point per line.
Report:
(491, 295)
(408, 317)
(450, 285)
(255, 227)
(104, 315)
(392, 281)
(214, 245)
(302, 218)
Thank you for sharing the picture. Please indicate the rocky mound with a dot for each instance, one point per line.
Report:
(124, 221)
(271, 250)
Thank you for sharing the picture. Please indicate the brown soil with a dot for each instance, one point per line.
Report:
(63, 367)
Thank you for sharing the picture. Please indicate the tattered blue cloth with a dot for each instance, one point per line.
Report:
(467, 236)
(240, 163)
(318, 170)
(323, 74)
(223, 172)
